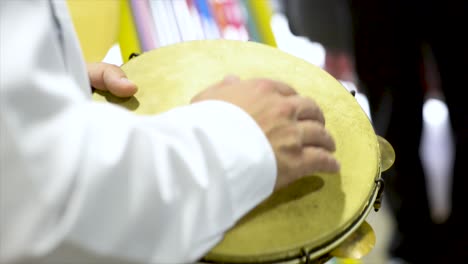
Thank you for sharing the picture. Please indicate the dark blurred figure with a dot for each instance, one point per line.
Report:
(388, 41)
(327, 22)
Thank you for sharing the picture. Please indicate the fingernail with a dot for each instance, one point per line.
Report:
(337, 166)
(125, 80)
(231, 79)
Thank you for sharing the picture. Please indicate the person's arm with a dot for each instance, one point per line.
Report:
(156, 189)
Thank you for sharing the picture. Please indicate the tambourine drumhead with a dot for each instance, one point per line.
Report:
(310, 214)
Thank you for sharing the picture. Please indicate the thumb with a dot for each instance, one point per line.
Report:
(109, 77)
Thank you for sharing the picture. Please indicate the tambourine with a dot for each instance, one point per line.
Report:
(316, 218)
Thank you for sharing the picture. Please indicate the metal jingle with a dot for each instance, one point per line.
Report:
(387, 154)
(358, 244)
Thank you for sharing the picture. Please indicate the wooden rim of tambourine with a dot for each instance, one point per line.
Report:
(313, 215)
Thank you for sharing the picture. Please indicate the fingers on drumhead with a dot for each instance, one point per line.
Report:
(319, 160)
(314, 134)
(269, 85)
(308, 109)
(301, 108)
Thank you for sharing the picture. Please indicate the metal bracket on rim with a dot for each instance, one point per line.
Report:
(378, 199)
(306, 256)
(133, 55)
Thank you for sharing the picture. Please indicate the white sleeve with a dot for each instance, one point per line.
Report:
(156, 189)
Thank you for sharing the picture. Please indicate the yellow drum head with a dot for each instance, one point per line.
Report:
(310, 214)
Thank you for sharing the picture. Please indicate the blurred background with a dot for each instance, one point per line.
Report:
(129, 27)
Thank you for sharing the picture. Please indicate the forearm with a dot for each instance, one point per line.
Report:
(141, 187)
(99, 176)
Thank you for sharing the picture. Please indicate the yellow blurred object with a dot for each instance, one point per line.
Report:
(261, 13)
(128, 37)
(348, 261)
(97, 24)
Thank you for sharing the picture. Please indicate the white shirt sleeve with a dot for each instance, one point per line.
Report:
(156, 189)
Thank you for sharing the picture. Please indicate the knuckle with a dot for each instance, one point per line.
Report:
(311, 102)
(292, 142)
(291, 139)
(295, 141)
(296, 135)
(287, 108)
(265, 85)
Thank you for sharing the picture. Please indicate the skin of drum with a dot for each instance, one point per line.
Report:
(312, 212)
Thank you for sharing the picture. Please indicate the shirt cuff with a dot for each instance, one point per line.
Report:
(246, 154)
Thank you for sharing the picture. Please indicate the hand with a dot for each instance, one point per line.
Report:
(109, 77)
(294, 125)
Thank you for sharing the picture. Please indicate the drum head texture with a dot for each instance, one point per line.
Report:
(308, 214)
